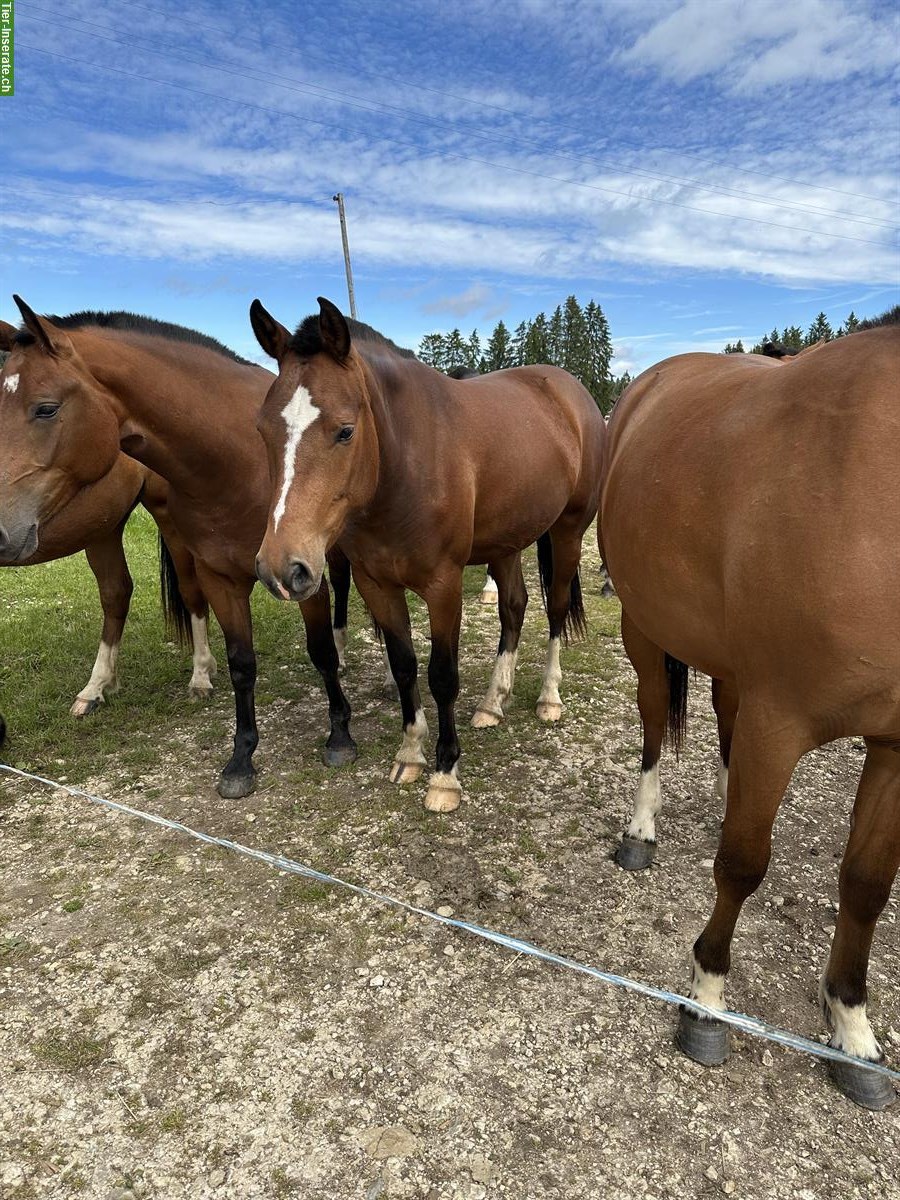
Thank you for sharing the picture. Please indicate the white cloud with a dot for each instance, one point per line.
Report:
(757, 44)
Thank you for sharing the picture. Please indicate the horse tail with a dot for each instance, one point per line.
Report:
(176, 613)
(575, 620)
(676, 723)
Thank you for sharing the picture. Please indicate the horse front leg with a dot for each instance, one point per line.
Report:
(340, 747)
(106, 559)
(868, 870)
(445, 614)
(339, 574)
(230, 602)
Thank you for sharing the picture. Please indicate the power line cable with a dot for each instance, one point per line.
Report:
(328, 125)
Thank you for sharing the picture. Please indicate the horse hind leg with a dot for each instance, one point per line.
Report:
(339, 574)
(765, 751)
(725, 703)
(559, 553)
(107, 561)
(513, 600)
(869, 867)
(637, 848)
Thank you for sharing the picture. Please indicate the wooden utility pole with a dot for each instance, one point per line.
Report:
(339, 200)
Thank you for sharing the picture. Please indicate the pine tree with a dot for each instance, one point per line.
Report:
(537, 342)
(473, 351)
(517, 345)
(456, 351)
(820, 330)
(792, 337)
(599, 380)
(738, 348)
(851, 324)
(432, 350)
(555, 338)
(497, 353)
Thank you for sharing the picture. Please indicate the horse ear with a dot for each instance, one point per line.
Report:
(7, 335)
(334, 330)
(271, 334)
(52, 340)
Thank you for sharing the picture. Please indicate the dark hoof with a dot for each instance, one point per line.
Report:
(390, 691)
(608, 592)
(634, 854)
(339, 756)
(232, 787)
(868, 1089)
(703, 1040)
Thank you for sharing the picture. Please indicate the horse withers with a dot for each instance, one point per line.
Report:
(734, 484)
(419, 475)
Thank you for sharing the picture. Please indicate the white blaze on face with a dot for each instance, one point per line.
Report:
(299, 413)
(11, 383)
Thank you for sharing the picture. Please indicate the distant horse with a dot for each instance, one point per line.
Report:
(92, 384)
(93, 520)
(418, 475)
(724, 471)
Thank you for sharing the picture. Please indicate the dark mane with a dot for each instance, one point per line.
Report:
(306, 341)
(132, 322)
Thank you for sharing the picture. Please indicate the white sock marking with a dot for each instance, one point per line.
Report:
(11, 383)
(647, 804)
(103, 675)
(501, 685)
(389, 681)
(707, 987)
(340, 643)
(722, 782)
(414, 738)
(552, 675)
(299, 413)
(850, 1026)
(205, 666)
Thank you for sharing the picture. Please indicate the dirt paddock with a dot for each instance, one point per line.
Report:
(179, 1022)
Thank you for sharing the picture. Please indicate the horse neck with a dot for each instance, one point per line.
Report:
(388, 420)
(169, 420)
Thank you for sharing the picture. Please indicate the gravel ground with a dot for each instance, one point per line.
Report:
(179, 1022)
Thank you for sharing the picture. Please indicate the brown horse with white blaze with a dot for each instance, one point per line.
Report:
(724, 471)
(91, 385)
(419, 475)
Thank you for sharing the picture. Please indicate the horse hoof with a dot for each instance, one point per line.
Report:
(703, 1040)
(482, 719)
(339, 756)
(84, 708)
(199, 694)
(444, 793)
(868, 1089)
(634, 854)
(390, 691)
(233, 787)
(488, 596)
(404, 772)
(548, 711)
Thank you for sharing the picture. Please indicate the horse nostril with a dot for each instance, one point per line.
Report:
(298, 577)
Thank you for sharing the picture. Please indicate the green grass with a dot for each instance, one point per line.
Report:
(70, 1052)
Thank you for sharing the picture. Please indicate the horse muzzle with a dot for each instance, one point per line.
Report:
(298, 581)
(17, 543)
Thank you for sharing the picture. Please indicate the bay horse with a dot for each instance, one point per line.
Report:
(418, 475)
(721, 471)
(92, 385)
(94, 520)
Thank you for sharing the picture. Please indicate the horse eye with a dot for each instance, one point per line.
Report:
(345, 433)
(46, 412)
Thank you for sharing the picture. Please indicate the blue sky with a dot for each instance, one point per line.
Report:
(180, 159)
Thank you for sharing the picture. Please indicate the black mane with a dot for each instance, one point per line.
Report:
(307, 340)
(133, 322)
